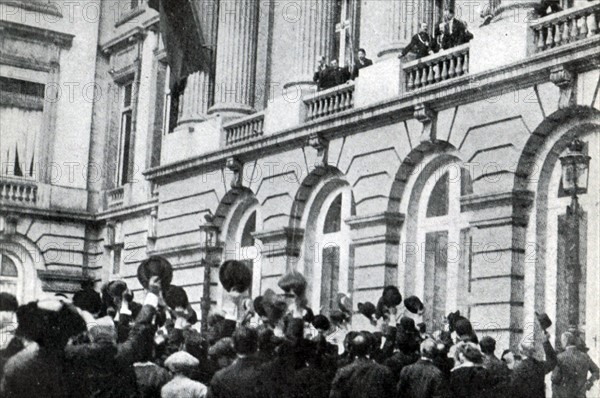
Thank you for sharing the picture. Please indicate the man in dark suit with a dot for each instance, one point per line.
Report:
(570, 377)
(363, 378)
(456, 32)
(421, 44)
(499, 372)
(240, 379)
(320, 72)
(527, 379)
(423, 379)
(362, 62)
(334, 75)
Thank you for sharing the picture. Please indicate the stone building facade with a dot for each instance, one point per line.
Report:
(441, 175)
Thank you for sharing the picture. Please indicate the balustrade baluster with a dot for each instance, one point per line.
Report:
(574, 29)
(541, 43)
(592, 24)
(445, 69)
(549, 36)
(583, 32)
(424, 76)
(417, 77)
(411, 80)
(430, 77)
(466, 63)
(452, 69)
(459, 67)
(557, 34)
(436, 72)
(566, 34)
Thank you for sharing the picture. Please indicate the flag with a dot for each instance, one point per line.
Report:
(185, 42)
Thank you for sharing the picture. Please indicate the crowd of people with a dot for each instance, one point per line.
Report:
(108, 345)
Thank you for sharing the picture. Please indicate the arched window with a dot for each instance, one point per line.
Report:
(248, 250)
(558, 237)
(327, 244)
(443, 262)
(9, 276)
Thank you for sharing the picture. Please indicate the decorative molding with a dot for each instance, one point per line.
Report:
(385, 218)
(12, 29)
(566, 80)
(130, 37)
(49, 8)
(60, 281)
(428, 118)
(522, 199)
(281, 242)
(237, 167)
(321, 144)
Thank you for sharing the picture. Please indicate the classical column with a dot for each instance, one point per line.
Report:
(198, 95)
(236, 55)
(314, 34)
(403, 22)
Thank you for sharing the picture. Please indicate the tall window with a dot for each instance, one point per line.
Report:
(21, 116)
(125, 163)
(327, 246)
(171, 107)
(9, 276)
(444, 238)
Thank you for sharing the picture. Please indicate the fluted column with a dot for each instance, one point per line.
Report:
(314, 34)
(236, 56)
(404, 18)
(198, 95)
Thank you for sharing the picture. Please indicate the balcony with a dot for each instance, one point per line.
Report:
(445, 65)
(244, 129)
(331, 101)
(565, 27)
(20, 192)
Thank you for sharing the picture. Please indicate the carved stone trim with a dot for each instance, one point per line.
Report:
(566, 80)
(59, 281)
(235, 166)
(321, 144)
(135, 35)
(281, 242)
(428, 118)
(13, 29)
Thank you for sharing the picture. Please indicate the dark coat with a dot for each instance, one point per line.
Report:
(106, 369)
(571, 373)
(499, 374)
(457, 35)
(421, 44)
(470, 382)
(241, 379)
(334, 77)
(150, 379)
(363, 378)
(423, 380)
(399, 361)
(358, 65)
(35, 372)
(527, 380)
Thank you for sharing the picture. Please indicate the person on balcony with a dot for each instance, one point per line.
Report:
(320, 72)
(547, 7)
(334, 75)
(362, 62)
(455, 31)
(421, 44)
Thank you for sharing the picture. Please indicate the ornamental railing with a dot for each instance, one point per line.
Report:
(115, 197)
(19, 192)
(445, 65)
(565, 27)
(244, 129)
(331, 101)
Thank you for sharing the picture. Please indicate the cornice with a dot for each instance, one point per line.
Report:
(49, 8)
(514, 198)
(8, 28)
(386, 218)
(535, 69)
(131, 36)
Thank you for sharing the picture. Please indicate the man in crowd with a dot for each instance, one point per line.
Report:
(320, 72)
(423, 379)
(363, 378)
(497, 369)
(527, 379)
(421, 44)
(570, 377)
(361, 63)
(334, 75)
(241, 378)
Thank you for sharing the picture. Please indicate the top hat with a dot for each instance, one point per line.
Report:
(544, 320)
(155, 266)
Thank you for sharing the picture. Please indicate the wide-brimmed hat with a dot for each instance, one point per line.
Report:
(294, 282)
(235, 276)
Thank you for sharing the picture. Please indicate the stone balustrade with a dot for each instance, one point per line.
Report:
(328, 102)
(565, 27)
(18, 191)
(115, 197)
(244, 129)
(445, 65)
